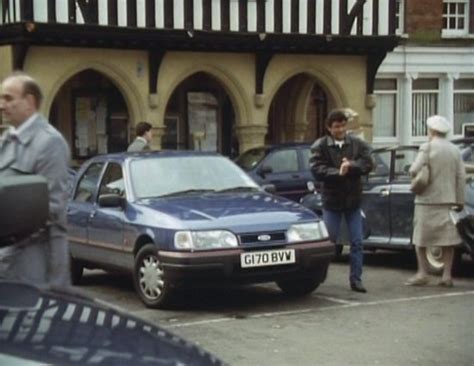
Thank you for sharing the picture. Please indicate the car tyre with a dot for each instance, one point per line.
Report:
(149, 279)
(298, 286)
(77, 269)
(434, 258)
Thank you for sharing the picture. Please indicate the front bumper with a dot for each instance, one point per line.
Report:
(311, 261)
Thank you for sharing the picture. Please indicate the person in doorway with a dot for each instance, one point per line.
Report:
(339, 161)
(445, 191)
(142, 142)
(33, 146)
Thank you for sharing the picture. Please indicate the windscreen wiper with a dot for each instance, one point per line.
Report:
(238, 189)
(186, 191)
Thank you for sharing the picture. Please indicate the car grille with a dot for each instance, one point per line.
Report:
(253, 239)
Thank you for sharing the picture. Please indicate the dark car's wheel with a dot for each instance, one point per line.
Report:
(149, 279)
(77, 269)
(434, 257)
(298, 286)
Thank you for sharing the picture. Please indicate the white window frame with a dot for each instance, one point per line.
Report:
(396, 93)
(461, 91)
(414, 92)
(400, 26)
(447, 32)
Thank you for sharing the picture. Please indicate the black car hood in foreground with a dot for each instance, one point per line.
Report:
(52, 327)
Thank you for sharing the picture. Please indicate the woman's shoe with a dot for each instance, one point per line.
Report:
(446, 283)
(417, 281)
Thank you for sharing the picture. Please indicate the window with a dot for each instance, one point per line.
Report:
(112, 182)
(283, 161)
(463, 104)
(400, 16)
(424, 104)
(455, 17)
(88, 184)
(385, 112)
(403, 161)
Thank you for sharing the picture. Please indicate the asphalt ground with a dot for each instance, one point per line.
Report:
(392, 324)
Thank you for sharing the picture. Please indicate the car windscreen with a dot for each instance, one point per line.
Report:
(251, 158)
(164, 176)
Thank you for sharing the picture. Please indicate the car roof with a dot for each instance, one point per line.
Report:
(271, 147)
(122, 156)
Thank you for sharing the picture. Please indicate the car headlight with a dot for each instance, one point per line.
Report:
(307, 232)
(202, 240)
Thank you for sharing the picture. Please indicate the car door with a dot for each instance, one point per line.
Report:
(376, 200)
(80, 208)
(106, 224)
(401, 198)
(280, 168)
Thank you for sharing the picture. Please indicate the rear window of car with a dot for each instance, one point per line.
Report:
(306, 154)
(249, 159)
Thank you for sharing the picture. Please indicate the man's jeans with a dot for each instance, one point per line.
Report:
(332, 220)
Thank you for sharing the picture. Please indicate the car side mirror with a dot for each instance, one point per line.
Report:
(264, 170)
(111, 200)
(269, 188)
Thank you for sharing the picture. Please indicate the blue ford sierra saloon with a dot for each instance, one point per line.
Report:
(174, 218)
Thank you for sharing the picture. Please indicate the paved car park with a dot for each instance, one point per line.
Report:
(391, 325)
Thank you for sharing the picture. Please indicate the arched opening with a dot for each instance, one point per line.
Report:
(92, 114)
(200, 116)
(287, 121)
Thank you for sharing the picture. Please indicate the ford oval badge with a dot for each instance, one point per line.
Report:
(264, 237)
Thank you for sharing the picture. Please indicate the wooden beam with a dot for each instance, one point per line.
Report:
(373, 62)
(262, 59)
(155, 57)
(18, 56)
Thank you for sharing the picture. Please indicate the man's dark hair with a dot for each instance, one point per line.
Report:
(336, 116)
(142, 128)
(30, 86)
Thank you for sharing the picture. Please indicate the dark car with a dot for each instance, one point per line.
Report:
(52, 326)
(285, 166)
(182, 217)
(388, 203)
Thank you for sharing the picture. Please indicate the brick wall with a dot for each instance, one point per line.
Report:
(426, 15)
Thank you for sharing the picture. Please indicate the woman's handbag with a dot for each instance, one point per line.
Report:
(421, 180)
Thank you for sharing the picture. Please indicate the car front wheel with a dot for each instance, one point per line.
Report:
(149, 279)
(77, 269)
(298, 286)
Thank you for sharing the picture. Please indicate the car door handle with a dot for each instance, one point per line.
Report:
(92, 214)
(384, 193)
(296, 176)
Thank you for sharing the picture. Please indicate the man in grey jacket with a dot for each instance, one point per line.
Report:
(143, 139)
(33, 146)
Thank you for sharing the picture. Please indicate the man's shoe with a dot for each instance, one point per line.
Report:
(358, 287)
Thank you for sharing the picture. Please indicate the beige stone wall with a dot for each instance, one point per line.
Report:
(54, 66)
(343, 78)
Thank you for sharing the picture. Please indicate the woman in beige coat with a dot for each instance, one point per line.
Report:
(432, 222)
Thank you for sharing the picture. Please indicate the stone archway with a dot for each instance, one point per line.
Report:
(91, 112)
(200, 116)
(297, 110)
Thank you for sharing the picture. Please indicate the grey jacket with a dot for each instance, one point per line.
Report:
(42, 150)
(447, 173)
(139, 144)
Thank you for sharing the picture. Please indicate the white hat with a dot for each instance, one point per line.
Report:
(438, 123)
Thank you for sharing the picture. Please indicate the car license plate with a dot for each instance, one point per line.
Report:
(267, 258)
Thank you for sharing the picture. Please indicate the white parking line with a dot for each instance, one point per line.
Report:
(334, 299)
(344, 304)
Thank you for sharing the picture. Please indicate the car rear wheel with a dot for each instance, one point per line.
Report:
(77, 269)
(149, 279)
(434, 257)
(298, 286)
